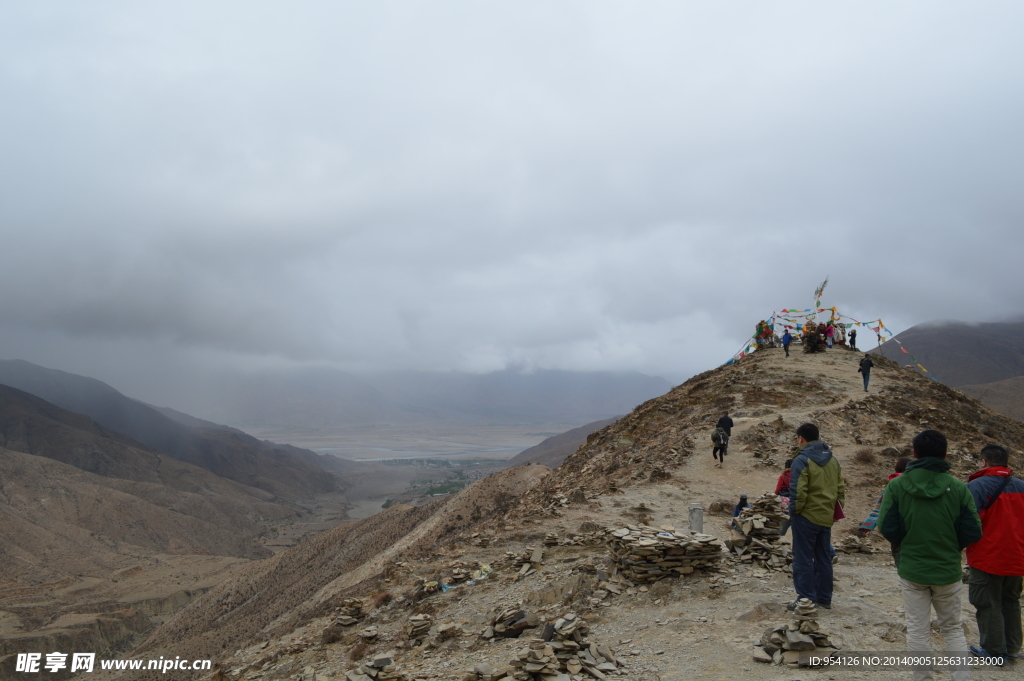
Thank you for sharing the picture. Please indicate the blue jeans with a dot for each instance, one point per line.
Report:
(812, 560)
(867, 377)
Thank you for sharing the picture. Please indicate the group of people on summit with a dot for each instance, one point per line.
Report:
(817, 338)
(930, 517)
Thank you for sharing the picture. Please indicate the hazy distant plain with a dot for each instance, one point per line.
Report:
(389, 442)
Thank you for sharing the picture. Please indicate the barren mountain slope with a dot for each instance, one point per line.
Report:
(87, 560)
(61, 521)
(274, 596)
(1005, 397)
(963, 354)
(554, 450)
(31, 425)
(230, 454)
(647, 467)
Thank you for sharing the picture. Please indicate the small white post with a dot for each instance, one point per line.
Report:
(696, 517)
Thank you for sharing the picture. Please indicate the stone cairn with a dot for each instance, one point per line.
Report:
(379, 668)
(349, 612)
(646, 554)
(461, 572)
(482, 539)
(794, 643)
(418, 626)
(757, 539)
(853, 544)
(510, 623)
(562, 650)
(527, 561)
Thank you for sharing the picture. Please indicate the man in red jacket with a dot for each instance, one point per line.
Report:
(997, 561)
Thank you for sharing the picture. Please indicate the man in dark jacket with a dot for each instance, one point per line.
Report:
(997, 560)
(865, 370)
(815, 487)
(853, 339)
(787, 338)
(726, 424)
(930, 516)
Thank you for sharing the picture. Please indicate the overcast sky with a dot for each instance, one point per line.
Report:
(474, 185)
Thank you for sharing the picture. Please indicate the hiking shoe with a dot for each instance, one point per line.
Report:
(827, 606)
(792, 606)
(978, 651)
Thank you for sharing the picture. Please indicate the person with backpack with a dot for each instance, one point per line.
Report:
(997, 560)
(865, 370)
(817, 493)
(721, 440)
(930, 516)
(787, 338)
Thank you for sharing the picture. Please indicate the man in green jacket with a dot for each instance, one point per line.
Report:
(815, 487)
(929, 516)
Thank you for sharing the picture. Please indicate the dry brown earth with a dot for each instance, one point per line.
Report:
(650, 465)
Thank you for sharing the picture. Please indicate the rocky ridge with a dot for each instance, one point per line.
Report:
(637, 475)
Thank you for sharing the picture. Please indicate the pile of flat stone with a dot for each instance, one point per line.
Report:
(563, 652)
(527, 561)
(510, 623)
(349, 612)
(380, 668)
(796, 643)
(853, 544)
(762, 518)
(646, 554)
(460, 572)
(592, 538)
(757, 538)
(483, 540)
(418, 626)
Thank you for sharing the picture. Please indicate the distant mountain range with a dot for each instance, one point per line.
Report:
(73, 491)
(986, 361)
(283, 470)
(326, 398)
(961, 354)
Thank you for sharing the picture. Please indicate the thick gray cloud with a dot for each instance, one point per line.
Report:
(465, 185)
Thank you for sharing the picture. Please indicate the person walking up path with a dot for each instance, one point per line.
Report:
(865, 370)
(997, 561)
(930, 516)
(787, 338)
(816, 487)
(726, 424)
(721, 441)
